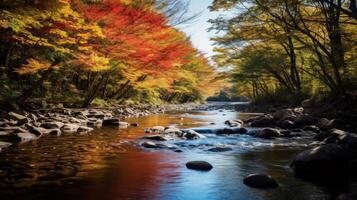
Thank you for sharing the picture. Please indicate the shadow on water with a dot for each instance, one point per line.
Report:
(105, 165)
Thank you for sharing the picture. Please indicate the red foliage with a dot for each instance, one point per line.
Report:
(138, 36)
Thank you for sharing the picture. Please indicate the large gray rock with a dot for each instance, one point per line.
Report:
(199, 165)
(261, 181)
(20, 119)
(52, 125)
(268, 133)
(192, 135)
(323, 161)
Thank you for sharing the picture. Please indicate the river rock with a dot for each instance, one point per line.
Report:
(84, 129)
(266, 121)
(285, 114)
(38, 131)
(234, 123)
(111, 122)
(155, 129)
(308, 103)
(172, 130)
(220, 149)
(149, 145)
(192, 135)
(326, 124)
(123, 124)
(305, 120)
(323, 161)
(348, 139)
(155, 138)
(287, 124)
(56, 132)
(230, 131)
(70, 128)
(18, 137)
(16, 116)
(312, 128)
(199, 165)
(261, 181)
(268, 133)
(52, 125)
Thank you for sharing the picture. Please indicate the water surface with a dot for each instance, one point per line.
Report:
(109, 164)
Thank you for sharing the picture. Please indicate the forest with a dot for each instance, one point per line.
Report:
(119, 51)
(285, 51)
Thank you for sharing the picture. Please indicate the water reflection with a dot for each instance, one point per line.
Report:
(106, 165)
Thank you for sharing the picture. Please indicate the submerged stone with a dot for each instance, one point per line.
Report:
(199, 165)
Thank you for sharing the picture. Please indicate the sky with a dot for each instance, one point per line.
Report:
(197, 30)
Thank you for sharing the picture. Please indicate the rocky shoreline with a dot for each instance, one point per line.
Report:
(21, 126)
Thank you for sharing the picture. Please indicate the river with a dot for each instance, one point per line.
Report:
(106, 164)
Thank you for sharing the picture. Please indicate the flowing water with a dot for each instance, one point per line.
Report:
(108, 164)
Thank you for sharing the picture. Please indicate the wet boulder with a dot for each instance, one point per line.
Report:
(38, 131)
(349, 140)
(155, 138)
(70, 128)
(326, 124)
(56, 132)
(199, 165)
(261, 181)
(172, 130)
(111, 122)
(192, 135)
(149, 145)
(265, 121)
(18, 137)
(84, 129)
(305, 120)
(220, 149)
(284, 114)
(52, 125)
(268, 133)
(287, 124)
(230, 131)
(323, 161)
(16, 116)
(234, 123)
